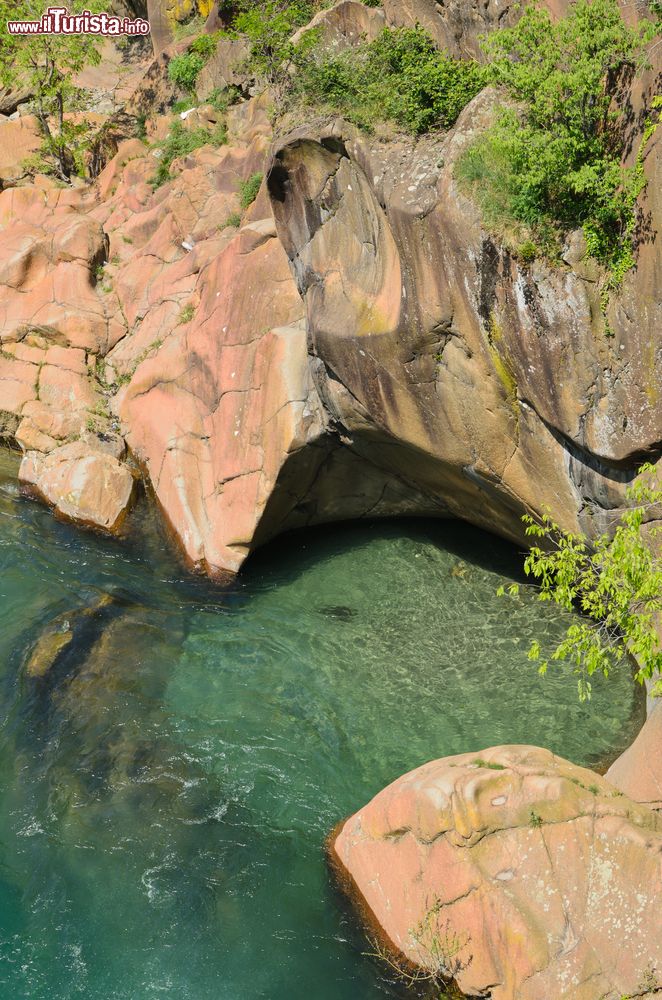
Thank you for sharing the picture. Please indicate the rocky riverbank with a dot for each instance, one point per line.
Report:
(355, 343)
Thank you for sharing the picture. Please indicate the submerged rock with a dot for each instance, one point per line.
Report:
(520, 874)
(59, 634)
(50, 644)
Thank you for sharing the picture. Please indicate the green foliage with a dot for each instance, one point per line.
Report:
(400, 77)
(616, 582)
(490, 765)
(205, 45)
(656, 11)
(554, 163)
(233, 221)
(248, 190)
(185, 104)
(222, 98)
(47, 64)
(183, 70)
(268, 27)
(187, 313)
(141, 126)
(180, 141)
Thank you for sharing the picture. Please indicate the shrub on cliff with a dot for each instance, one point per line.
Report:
(268, 27)
(46, 65)
(615, 581)
(400, 77)
(180, 141)
(184, 69)
(555, 164)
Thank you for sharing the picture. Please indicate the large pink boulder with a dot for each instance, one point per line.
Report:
(638, 771)
(523, 875)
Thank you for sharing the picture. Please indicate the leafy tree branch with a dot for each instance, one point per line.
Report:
(614, 581)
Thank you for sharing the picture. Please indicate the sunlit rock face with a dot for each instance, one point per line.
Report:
(488, 382)
(358, 344)
(524, 876)
(457, 25)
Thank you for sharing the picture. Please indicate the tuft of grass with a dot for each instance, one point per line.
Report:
(185, 104)
(187, 313)
(535, 820)
(479, 762)
(233, 220)
(248, 190)
(180, 141)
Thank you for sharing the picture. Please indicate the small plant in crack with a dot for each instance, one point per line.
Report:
(233, 221)
(248, 190)
(535, 820)
(490, 765)
(187, 313)
(125, 377)
(439, 955)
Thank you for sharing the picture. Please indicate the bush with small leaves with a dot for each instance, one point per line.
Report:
(233, 221)
(400, 77)
(553, 162)
(248, 190)
(183, 70)
(615, 582)
(180, 141)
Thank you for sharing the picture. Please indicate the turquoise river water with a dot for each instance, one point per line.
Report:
(166, 788)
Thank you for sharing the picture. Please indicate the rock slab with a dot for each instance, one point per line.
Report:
(82, 483)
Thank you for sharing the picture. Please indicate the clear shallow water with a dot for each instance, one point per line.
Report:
(165, 791)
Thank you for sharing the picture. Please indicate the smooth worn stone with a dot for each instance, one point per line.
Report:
(48, 648)
(638, 771)
(58, 635)
(519, 874)
(82, 483)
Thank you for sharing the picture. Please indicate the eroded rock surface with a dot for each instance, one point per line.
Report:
(347, 23)
(487, 382)
(532, 877)
(638, 771)
(457, 25)
(82, 482)
(358, 345)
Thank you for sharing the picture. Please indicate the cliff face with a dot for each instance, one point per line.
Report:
(361, 345)
(488, 383)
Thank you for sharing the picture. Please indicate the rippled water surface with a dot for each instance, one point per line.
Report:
(166, 787)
